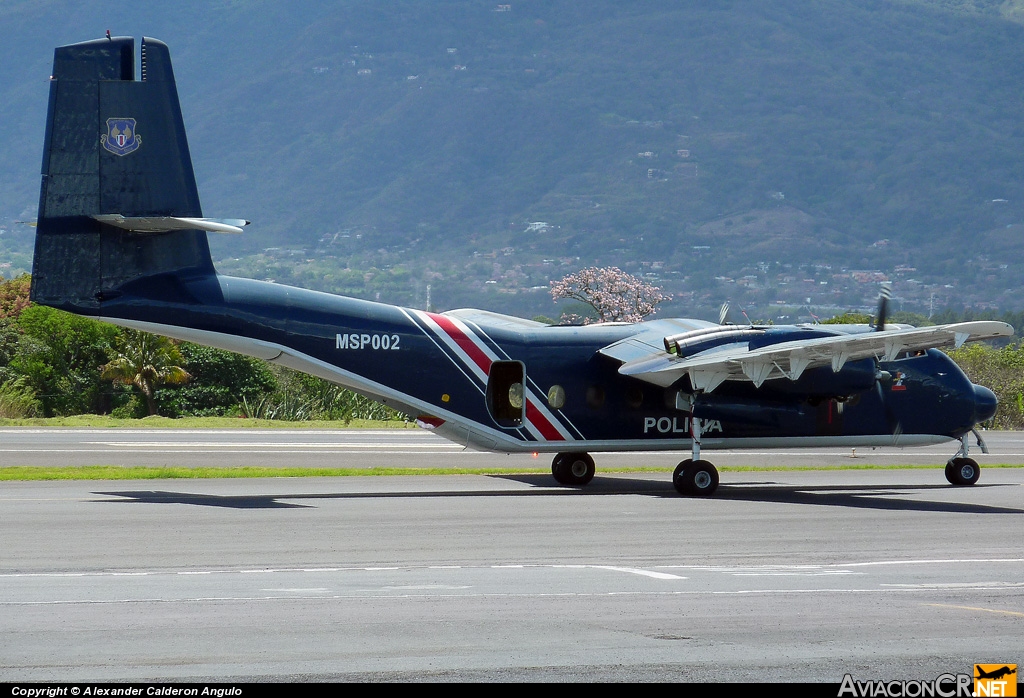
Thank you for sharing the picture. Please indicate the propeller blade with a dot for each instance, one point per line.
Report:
(893, 424)
(723, 314)
(883, 307)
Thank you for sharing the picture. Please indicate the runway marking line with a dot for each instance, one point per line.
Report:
(977, 608)
(357, 597)
(258, 444)
(958, 585)
(634, 570)
(754, 570)
(874, 563)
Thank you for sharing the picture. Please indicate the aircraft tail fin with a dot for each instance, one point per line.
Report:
(114, 146)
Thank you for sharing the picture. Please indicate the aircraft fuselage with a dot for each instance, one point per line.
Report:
(436, 367)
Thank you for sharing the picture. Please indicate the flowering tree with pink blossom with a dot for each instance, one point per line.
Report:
(613, 294)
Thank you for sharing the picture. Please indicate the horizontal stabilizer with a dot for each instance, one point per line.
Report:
(168, 223)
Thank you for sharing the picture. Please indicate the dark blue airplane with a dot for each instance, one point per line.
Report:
(121, 237)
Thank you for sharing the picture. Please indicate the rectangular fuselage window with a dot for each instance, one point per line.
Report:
(505, 393)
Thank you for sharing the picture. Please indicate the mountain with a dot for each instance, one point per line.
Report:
(796, 151)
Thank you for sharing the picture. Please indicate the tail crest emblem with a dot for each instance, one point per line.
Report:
(121, 137)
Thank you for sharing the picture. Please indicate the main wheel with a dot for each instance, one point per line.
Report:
(962, 471)
(575, 469)
(679, 476)
(696, 478)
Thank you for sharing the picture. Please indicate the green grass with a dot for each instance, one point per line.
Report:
(106, 421)
(113, 472)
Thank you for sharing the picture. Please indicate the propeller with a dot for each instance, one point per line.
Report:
(723, 315)
(883, 306)
(891, 421)
(884, 376)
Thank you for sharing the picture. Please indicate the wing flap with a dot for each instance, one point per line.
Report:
(790, 359)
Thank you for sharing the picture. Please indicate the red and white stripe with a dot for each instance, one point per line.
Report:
(477, 356)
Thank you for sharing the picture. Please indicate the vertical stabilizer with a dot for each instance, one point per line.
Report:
(114, 145)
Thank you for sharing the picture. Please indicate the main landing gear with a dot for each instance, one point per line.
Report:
(573, 469)
(962, 470)
(697, 478)
(693, 477)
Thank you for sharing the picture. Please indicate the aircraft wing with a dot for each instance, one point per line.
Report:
(790, 359)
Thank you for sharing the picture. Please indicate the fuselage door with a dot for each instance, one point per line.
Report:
(506, 400)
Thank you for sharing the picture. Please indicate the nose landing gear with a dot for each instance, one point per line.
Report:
(962, 470)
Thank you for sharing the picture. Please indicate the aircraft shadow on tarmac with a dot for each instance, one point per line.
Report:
(857, 496)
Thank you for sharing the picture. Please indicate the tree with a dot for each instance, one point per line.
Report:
(614, 295)
(145, 360)
(221, 382)
(60, 354)
(14, 296)
(1002, 371)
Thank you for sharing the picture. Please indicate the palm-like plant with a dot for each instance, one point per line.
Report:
(146, 361)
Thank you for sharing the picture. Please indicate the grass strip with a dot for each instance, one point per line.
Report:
(114, 472)
(108, 422)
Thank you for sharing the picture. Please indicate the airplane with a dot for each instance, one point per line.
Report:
(121, 237)
(995, 673)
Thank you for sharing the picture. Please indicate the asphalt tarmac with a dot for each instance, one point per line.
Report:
(410, 448)
(782, 576)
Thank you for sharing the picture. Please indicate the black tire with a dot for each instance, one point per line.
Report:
(679, 476)
(574, 469)
(703, 478)
(695, 478)
(965, 471)
(950, 470)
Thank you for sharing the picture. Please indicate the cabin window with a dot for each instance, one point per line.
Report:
(634, 397)
(505, 393)
(556, 397)
(595, 397)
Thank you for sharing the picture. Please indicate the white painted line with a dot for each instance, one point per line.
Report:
(822, 573)
(425, 587)
(250, 444)
(241, 431)
(939, 561)
(958, 585)
(332, 449)
(634, 570)
(478, 595)
(868, 563)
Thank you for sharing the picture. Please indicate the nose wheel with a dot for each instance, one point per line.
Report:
(962, 470)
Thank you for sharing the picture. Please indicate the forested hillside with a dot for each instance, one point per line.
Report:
(781, 154)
